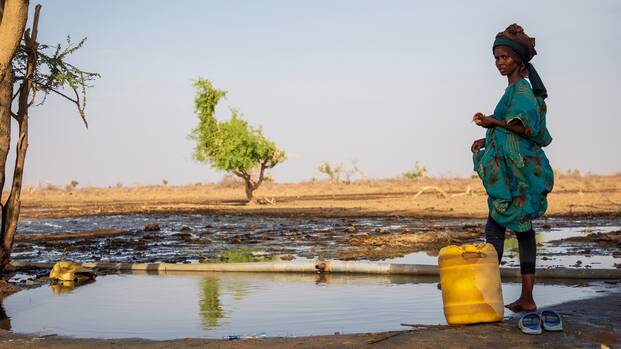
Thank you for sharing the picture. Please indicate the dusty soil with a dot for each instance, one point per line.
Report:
(589, 323)
(380, 247)
(431, 197)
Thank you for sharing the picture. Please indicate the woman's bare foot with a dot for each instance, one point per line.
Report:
(522, 305)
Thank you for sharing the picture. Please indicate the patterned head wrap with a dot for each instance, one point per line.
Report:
(524, 47)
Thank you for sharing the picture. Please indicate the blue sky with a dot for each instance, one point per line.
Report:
(381, 83)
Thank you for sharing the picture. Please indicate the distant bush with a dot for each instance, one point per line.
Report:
(72, 185)
(419, 172)
(332, 171)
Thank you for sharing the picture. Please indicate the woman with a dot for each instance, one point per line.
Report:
(514, 169)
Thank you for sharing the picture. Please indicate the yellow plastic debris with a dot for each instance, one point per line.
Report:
(67, 271)
(470, 281)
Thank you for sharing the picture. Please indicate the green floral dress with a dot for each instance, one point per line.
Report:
(515, 171)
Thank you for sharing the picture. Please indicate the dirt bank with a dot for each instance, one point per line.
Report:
(588, 323)
(604, 240)
(372, 247)
(572, 195)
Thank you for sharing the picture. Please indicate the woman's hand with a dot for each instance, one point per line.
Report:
(483, 121)
(477, 145)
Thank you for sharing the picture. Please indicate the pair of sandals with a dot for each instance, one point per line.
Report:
(535, 323)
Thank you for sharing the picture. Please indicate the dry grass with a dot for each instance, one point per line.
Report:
(572, 195)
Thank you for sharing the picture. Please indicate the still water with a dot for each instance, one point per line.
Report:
(215, 305)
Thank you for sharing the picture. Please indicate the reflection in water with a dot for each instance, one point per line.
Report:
(5, 320)
(323, 278)
(214, 305)
(512, 245)
(63, 287)
(210, 307)
(238, 289)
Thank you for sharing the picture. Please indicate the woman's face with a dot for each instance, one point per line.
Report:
(505, 64)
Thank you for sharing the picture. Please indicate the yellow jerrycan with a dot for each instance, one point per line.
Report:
(67, 271)
(470, 281)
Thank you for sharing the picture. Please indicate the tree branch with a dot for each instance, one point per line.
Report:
(243, 174)
(261, 173)
(75, 101)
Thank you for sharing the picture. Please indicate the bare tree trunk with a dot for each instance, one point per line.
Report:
(6, 93)
(13, 15)
(10, 211)
(12, 24)
(250, 184)
(249, 189)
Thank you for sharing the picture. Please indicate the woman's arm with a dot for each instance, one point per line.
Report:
(488, 121)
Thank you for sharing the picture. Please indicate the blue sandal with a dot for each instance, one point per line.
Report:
(530, 323)
(551, 320)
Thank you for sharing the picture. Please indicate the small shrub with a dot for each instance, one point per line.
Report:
(333, 172)
(243, 255)
(419, 172)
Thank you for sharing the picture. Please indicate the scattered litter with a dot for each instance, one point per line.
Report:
(235, 337)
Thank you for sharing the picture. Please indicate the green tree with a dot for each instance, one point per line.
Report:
(232, 145)
(28, 74)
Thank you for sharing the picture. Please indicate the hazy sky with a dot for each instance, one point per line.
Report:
(385, 83)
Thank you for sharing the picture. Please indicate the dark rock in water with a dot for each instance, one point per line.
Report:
(202, 241)
(152, 227)
(547, 226)
(183, 236)
(350, 229)
(185, 228)
(151, 238)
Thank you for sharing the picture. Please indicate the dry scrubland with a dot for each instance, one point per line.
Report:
(572, 195)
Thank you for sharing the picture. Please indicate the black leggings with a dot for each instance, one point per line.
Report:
(495, 235)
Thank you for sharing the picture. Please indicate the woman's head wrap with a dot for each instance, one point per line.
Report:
(524, 46)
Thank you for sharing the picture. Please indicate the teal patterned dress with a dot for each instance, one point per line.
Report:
(514, 169)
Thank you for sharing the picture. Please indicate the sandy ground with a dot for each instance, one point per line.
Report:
(588, 324)
(572, 195)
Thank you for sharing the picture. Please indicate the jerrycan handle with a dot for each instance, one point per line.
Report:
(472, 255)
